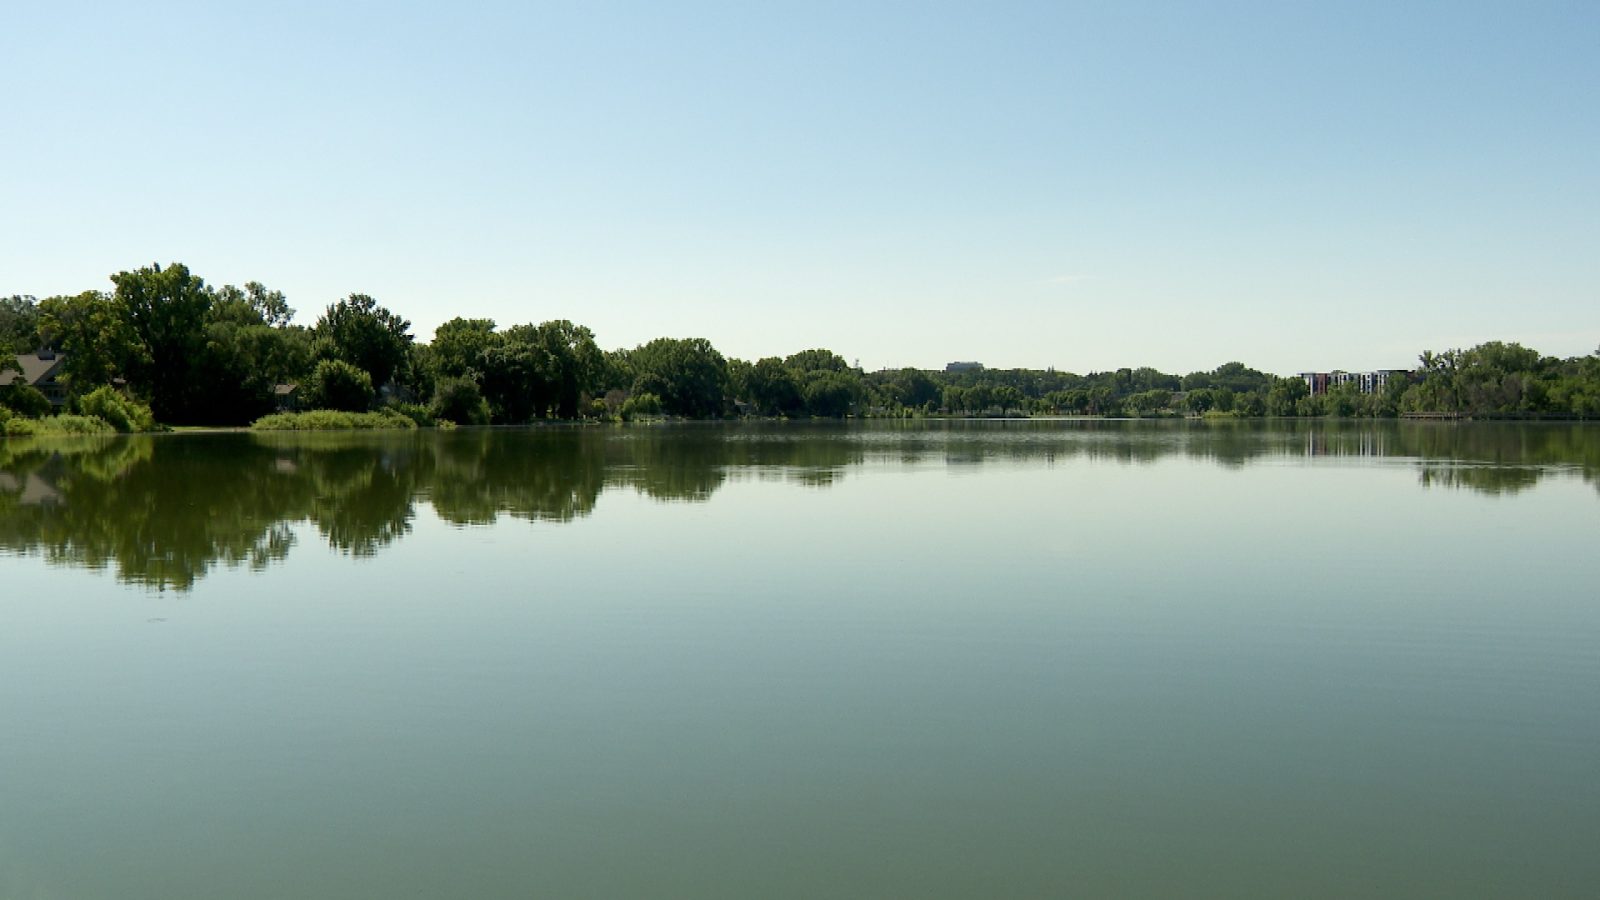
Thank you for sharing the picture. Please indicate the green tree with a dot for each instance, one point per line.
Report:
(816, 360)
(643, 404)
(460, 401)
(527, 371)
(770, 386)
(245, 355)
(1234, 377)
(166, 309)
(1437, 388)
(689, 375)
(459, 345)
(336, 384)
(575, 363)
(1343, 401)
(1007, 398)
(122, 413)
(420, 373)
(19, 325)
(95, 337)
(1283, 398)
(516, 376)
(269, 306)
(829, 392)
(616, 371)
(366, 335)
(1150, 401)
(24, 399)
(1251, 404)
(916, 388)
(1103, 401)
(1497, 377)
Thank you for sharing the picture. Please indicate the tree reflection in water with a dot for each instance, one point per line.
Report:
(164, 510)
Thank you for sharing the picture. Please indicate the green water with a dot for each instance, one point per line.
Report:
(1009, 659)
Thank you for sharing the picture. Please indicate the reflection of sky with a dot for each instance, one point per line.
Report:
(1023, 659)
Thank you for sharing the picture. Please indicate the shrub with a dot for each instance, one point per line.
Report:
(337, 385)
(25, 399)
(122, 413)
(460, 401)
(644, 404)
(416, 412)
(332, 420)
(55, 425)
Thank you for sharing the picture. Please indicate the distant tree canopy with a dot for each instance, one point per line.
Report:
(197, 354)
(525, 372)
(689, 376)
(213, 355)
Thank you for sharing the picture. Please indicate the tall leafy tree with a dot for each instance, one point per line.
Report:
(166, 309)
(688, 374)
(419, 376)
(366, 335)
(269, 306)
(19, 325)
(771, 387)
(575, 363)
(516, 376)
(538, 371)
(1285, 395)
(246, 355)
(916, 388)
(459, 345)
(817, 360)
(94, 335)
(829, 392)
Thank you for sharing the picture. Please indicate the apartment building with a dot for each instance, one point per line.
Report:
(1366, 382)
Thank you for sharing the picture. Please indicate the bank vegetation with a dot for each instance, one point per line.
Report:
(164, 346)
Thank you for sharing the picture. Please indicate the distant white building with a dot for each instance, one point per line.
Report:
(1366, 382)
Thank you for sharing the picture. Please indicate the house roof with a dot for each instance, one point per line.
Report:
(36, 368)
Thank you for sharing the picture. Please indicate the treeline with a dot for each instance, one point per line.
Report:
(199, 354)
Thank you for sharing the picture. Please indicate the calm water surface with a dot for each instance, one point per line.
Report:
(1016, 659)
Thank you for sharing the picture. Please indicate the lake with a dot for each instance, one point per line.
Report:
(945, 659)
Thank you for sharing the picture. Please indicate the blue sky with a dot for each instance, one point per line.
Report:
(1084, 186)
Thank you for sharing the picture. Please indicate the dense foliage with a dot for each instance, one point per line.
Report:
(337, 385)
(24, 399)
(17, 426)
(122, 413)
(229, 355)
(333, 420)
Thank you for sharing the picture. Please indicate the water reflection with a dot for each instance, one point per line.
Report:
(163, 511)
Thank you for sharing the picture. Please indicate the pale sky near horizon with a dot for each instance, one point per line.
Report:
(1078, 185)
